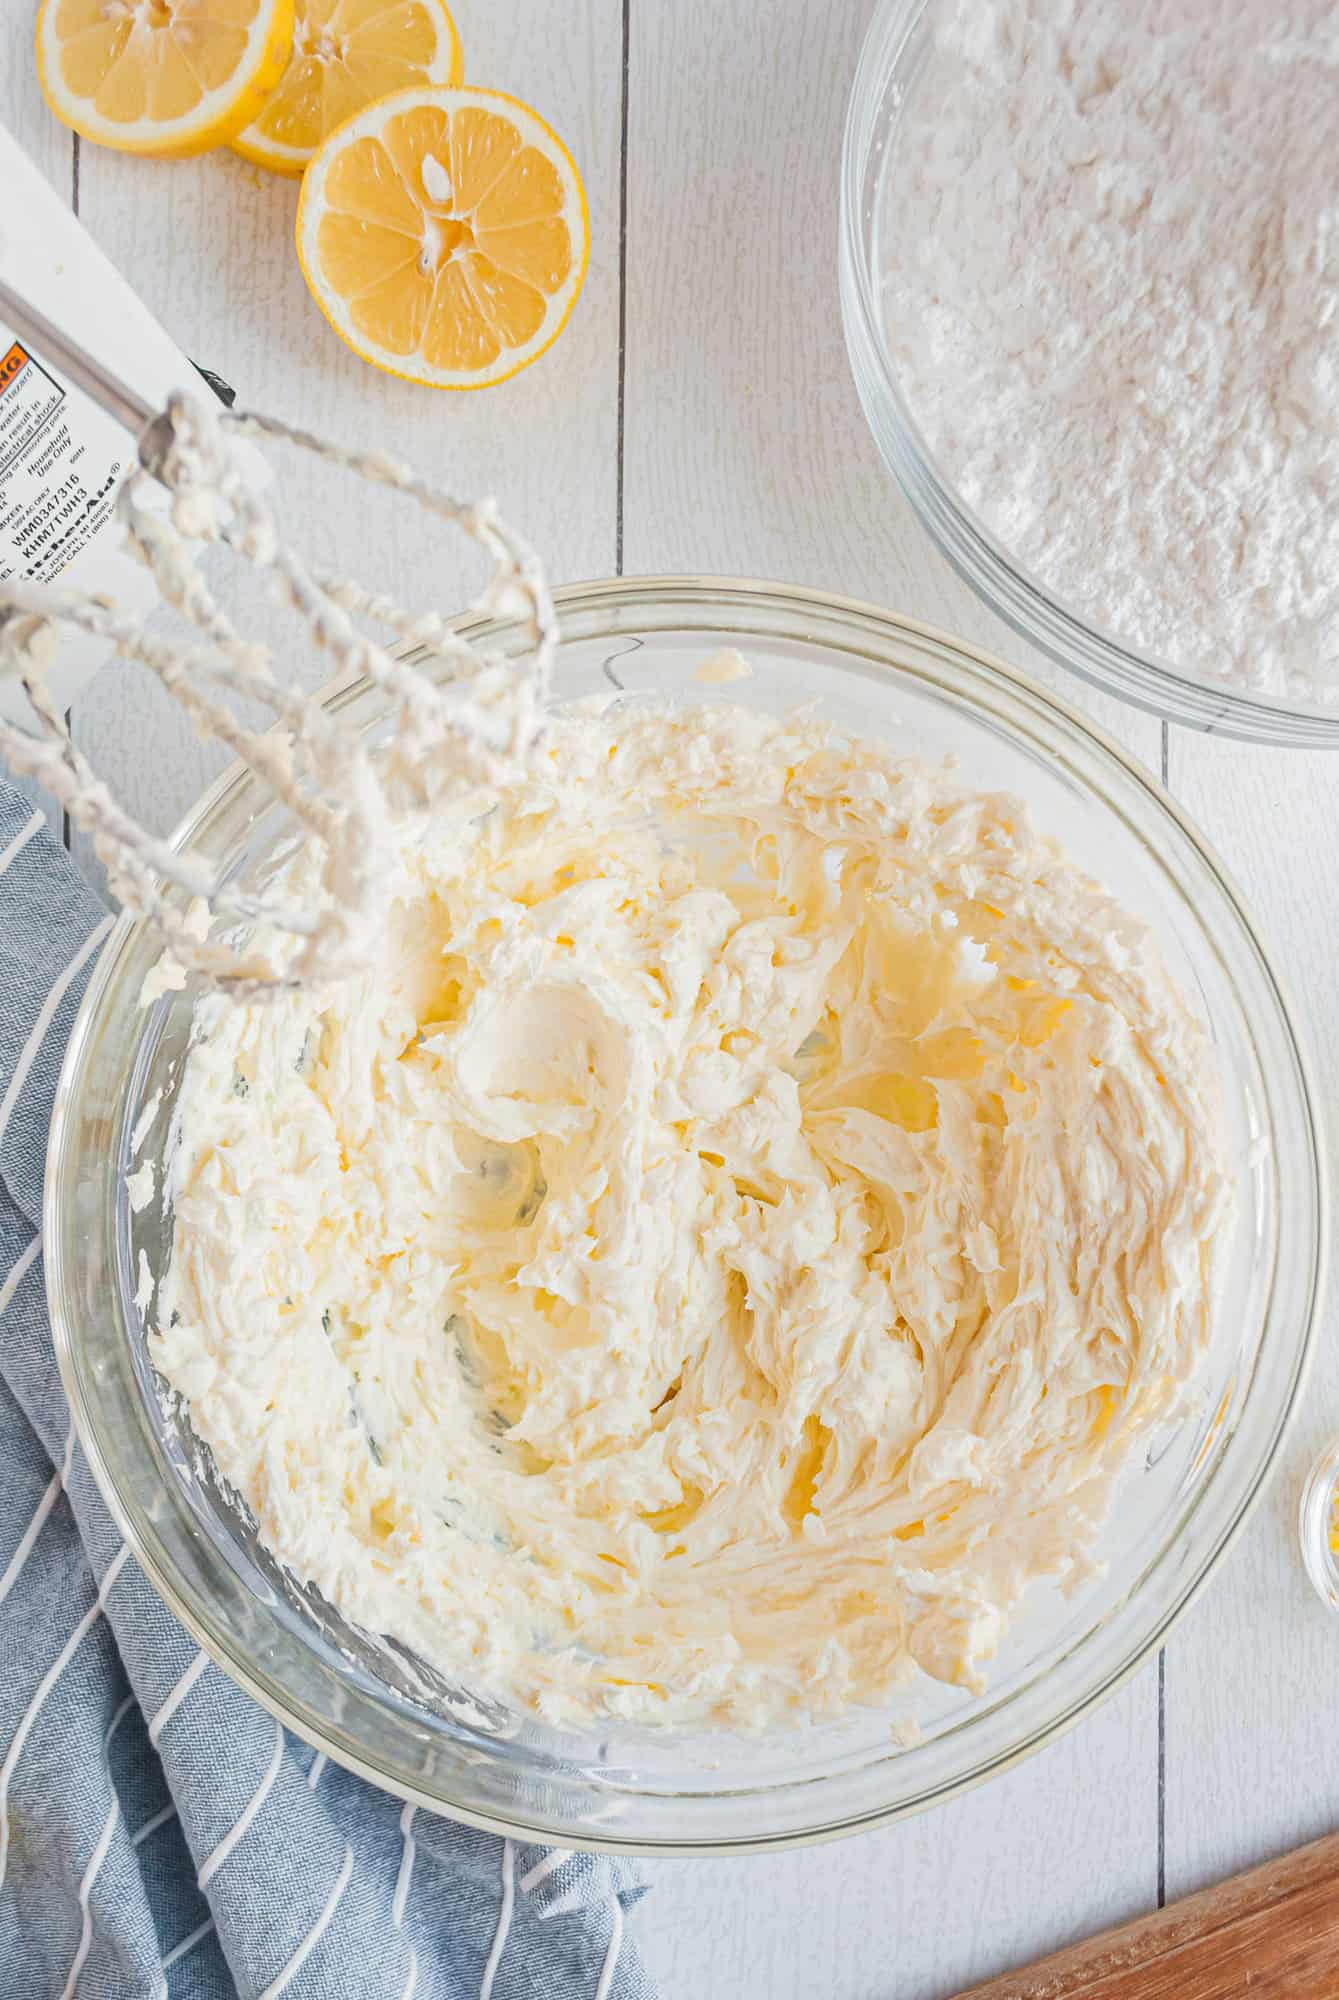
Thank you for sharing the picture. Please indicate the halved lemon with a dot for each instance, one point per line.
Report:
(161, 76)
(348, 53)
(444, 235)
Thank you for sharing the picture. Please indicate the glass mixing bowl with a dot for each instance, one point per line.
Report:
(887, 76)
(377, 1710)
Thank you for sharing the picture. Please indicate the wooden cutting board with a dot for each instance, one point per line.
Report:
(1271, 1934)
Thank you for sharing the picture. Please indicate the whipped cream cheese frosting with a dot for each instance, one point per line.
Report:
(723, 1245)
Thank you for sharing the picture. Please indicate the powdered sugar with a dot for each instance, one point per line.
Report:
(1112, 292)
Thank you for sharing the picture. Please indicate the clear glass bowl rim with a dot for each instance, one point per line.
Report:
(1003, 584)
(745, 609)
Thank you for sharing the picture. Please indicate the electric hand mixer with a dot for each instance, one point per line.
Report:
(479, 719)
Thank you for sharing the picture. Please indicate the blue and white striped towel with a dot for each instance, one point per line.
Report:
(159, 1834)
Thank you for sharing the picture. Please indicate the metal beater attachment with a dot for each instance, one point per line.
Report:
(476, 720)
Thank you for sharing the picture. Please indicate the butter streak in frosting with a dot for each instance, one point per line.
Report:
(724, 1245)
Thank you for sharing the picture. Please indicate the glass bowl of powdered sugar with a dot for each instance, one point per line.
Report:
(1090, 285)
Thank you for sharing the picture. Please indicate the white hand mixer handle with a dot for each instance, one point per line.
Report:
(83, 369)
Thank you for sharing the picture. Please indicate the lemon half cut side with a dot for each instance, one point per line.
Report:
(444, 234)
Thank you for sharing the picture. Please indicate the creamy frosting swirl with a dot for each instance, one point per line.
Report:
(724, 1245)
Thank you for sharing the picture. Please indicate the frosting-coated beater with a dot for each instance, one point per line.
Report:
(477, 716)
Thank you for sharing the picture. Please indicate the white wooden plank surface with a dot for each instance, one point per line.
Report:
(209, 244)
(743, 449)
(1251, 1673)
(1061, 1846)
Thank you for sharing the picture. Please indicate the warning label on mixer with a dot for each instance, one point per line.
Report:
(29, 398)
(55, 490)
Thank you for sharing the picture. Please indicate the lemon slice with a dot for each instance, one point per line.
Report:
(161, 76)
(444, 235)
(348, 53)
